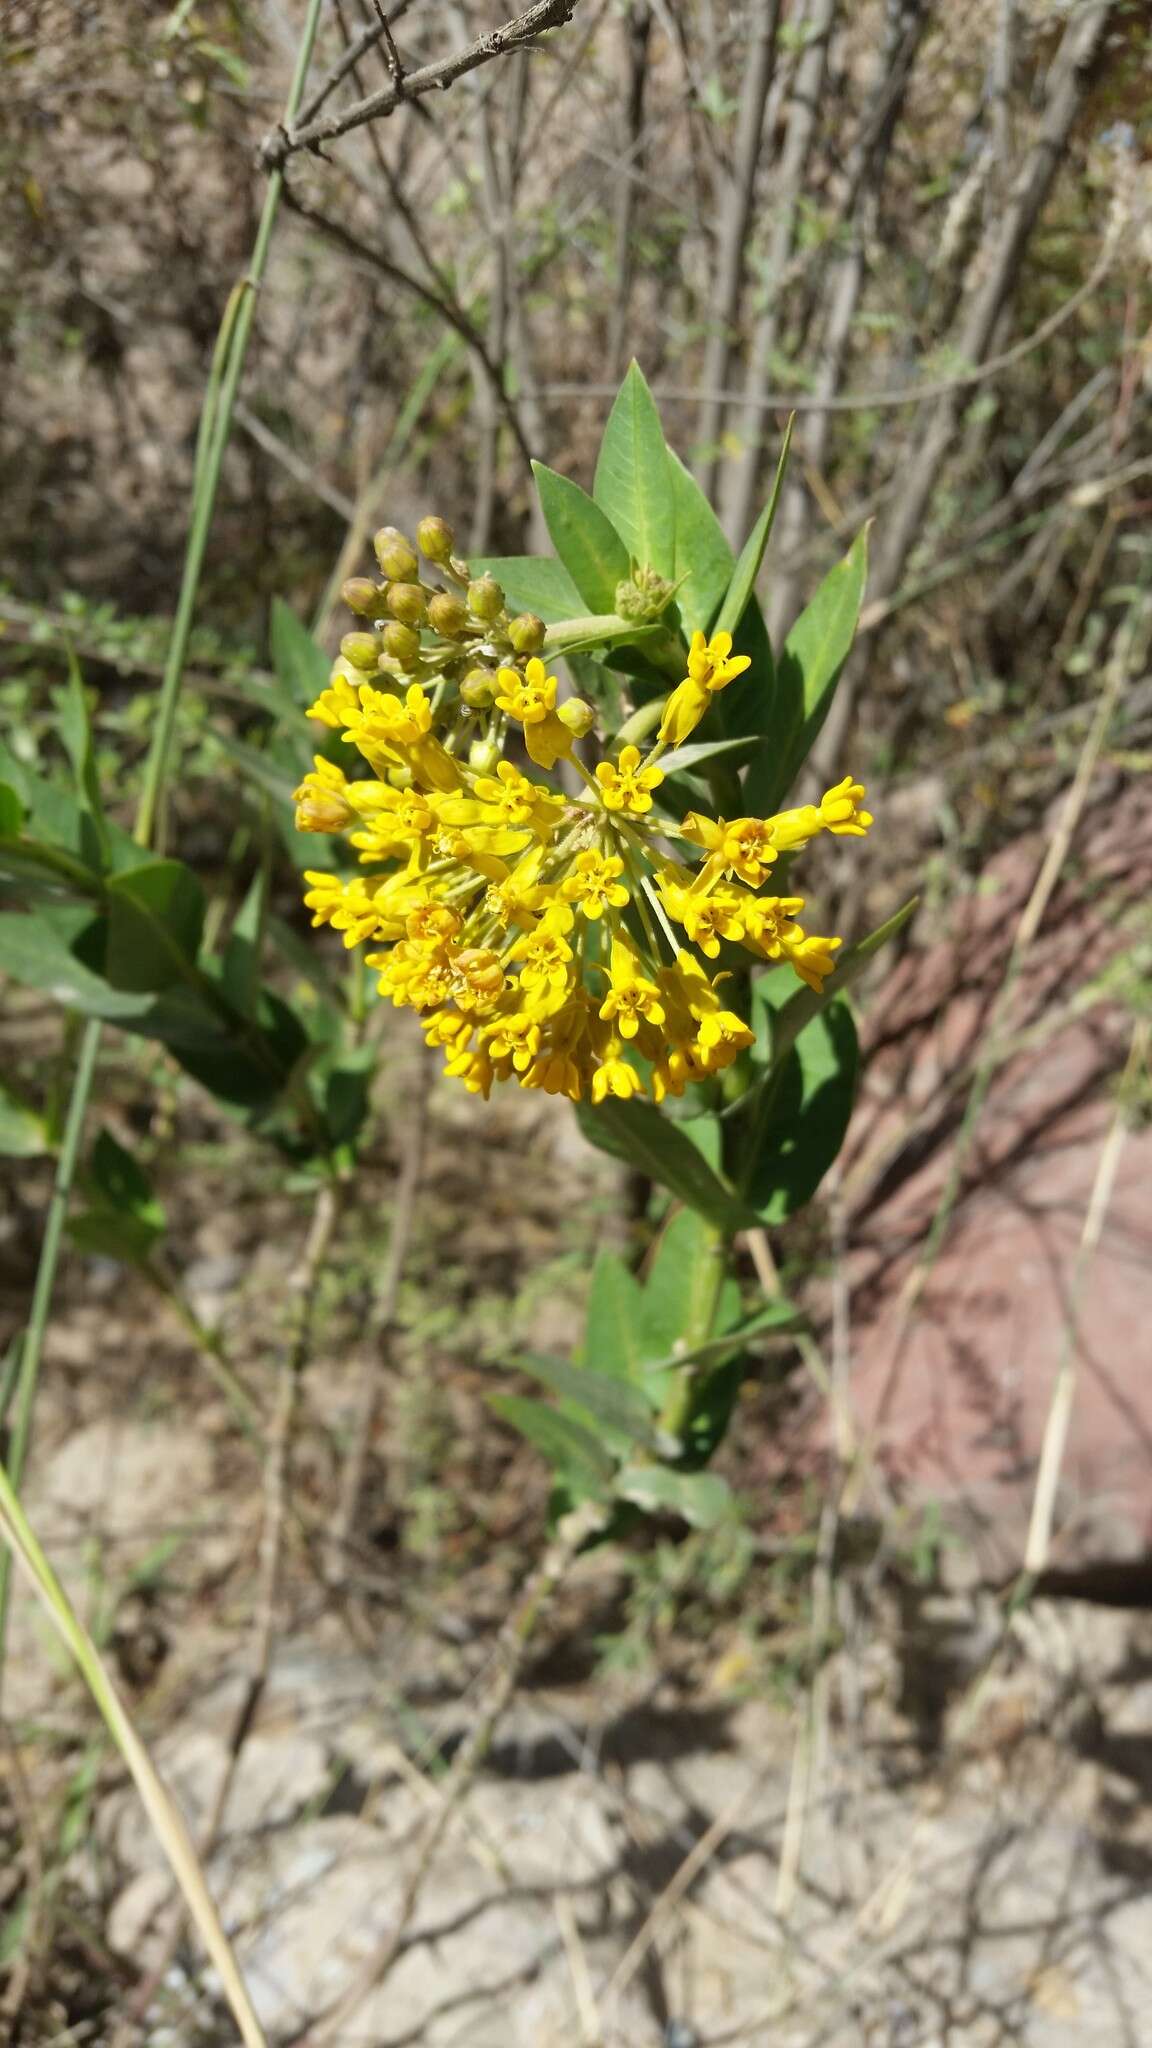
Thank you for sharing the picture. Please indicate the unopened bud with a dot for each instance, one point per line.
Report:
(435, 539)
(527, 633)
(644, 594)
(361, 595)
(401, 643)
(400, 777)
(485, 599)
(447, 616)
(483, 757)
(407, 602)
(478, 688)
(395, 554)
(361, 649)
(578, 716)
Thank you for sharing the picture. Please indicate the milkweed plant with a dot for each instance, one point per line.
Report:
(588, 887)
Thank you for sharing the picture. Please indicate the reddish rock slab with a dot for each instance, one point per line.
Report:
(955, 1400)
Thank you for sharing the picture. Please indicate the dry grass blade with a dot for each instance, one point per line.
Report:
(162, 1811)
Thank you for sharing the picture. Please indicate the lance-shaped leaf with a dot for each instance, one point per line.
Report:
(302, 667)
(533, 583)
(614, 1403)
(155, 919)
(807, 672)
(583, 537)
(703, 561)
(574, 1452)
(613, 1326)
(123, 1220)
(799, 1127)
(700, 1498)
(633, 483)
(637, 1134)
(747, 569)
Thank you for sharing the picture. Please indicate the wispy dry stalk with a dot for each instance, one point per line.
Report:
(304, 1286)
(576, 1529)
(382, 1324)
(738, 486)
(1064, 1384)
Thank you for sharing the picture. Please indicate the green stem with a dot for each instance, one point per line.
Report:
(220, 398)
(32, 1342)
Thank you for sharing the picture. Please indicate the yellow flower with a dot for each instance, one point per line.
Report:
(333, 704)
(593, 884)
(632, 996)
(616, 1076)
(736, 846)
(840, 812)
(711, 667)
(812, 959)
(531, 699)
(626, 786)
(321, 801)
(707, 916)
(768, 923)
(712, 664)
(545, 955)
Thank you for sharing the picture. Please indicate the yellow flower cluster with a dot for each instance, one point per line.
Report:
(545, 937)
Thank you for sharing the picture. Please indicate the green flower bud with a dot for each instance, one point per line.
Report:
(485, 599)
(401, 643)
(407, 602)
(361, 595)
(447, 616)
(483, 757)
(435, 539)
(527, 633)
(643, 595)
(478, 688)
(396, 556)
(578, 716)
(361, 649)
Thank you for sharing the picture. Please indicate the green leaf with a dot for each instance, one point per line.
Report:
(155, 919)
(776, 1317)
(585, 540)
(124, 1221)
(23, 1131)
(74, 719)
(240, 969)
(348, 1095)
(678, 1284)
(47, 869)
(249, 1068)
(634, 480)
(570, 1448)
(812, 1092)
(612, 1329)
(637, 1134)
(747, 569)
(533, 583)
(807, 672)
(703, 560)
(601, 629)
(11, 812)
(701, 1498)
(302, 668)
(120, 1180)
(613, 1403)
(695, 752)
(40, 951)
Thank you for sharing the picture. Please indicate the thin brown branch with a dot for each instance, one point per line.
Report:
(517, 34)
(448, 308)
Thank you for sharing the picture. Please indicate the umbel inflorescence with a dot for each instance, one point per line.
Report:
(544, 935)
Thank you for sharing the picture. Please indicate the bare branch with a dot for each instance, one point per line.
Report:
(282, 143)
